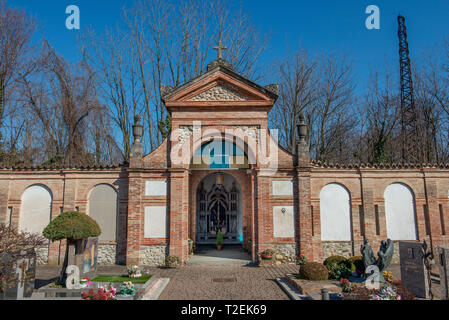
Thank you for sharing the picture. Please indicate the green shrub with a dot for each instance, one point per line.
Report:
(313, 271)
(332, 260)
(340, 271)
(358, 263)
(72, 226)
(339, 267)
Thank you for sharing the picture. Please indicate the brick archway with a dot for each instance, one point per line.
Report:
(244, 181)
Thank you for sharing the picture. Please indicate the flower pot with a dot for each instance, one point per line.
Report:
(267, 256)
(219, 248)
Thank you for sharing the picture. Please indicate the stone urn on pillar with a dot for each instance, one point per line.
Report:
(137, 147)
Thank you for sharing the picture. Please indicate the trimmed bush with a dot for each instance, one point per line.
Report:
(358, 263)
(72, 226)
(313, 271)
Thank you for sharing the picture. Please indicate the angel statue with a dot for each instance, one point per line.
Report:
(385, 255)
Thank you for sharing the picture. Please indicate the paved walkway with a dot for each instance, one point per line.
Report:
(224, 283)
(230, 255)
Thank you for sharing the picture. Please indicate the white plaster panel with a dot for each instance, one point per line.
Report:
(335, 214)
(400, 212)
(103, 209)
(282, 188)
(283, 222)
(156, 188)
(35, 211)
(155, 222)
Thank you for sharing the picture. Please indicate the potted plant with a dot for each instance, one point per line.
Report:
(171, 261)
(267, 254)
(191, 246)
(219, 240)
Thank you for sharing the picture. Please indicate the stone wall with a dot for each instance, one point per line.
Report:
(344, 248)
(107, 254)
(285, 252)
(341, 248)
(153, 255)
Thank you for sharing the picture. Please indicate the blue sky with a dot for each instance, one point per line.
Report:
(320, 26)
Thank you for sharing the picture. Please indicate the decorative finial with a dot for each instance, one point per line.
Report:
(220, 49)
(137, 147)
(302, 148)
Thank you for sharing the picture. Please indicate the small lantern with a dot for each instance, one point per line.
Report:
(219, 179)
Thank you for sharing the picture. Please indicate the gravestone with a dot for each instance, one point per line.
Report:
(413, 271)
(19, 279)
(443, 257)
(84, 254)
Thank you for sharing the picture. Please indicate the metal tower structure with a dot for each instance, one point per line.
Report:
(409, 152)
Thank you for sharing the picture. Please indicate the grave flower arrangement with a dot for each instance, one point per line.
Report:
(103, 293)
(345, 285)
(127, 289)
(134, 271)
(386, 293)
(85, 282)
(388, 276)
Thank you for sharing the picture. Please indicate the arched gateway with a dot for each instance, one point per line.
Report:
(219, 207)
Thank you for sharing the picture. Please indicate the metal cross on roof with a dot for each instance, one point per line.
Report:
(220, 49)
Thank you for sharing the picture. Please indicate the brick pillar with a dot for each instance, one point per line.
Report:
(135, 212)
(262, 226)
(369, 214)
(4, 192)
(179, 214)
(307, 247)
(433, 210)
(311, 249)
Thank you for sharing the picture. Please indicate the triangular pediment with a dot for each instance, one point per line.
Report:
(217, 87)
(220, 92)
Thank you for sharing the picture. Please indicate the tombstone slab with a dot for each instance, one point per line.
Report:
(413, 271)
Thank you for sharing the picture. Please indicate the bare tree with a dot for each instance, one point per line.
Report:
(61, 101)
(382, 111)
(335, 97)
(297, 94)
(16, 30)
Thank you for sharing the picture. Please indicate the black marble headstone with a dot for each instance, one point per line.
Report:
(443, 259)
(413, 271)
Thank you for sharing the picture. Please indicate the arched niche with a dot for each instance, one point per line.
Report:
(335, 213)
(400, 213)
(35, 210)
(103, 209)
